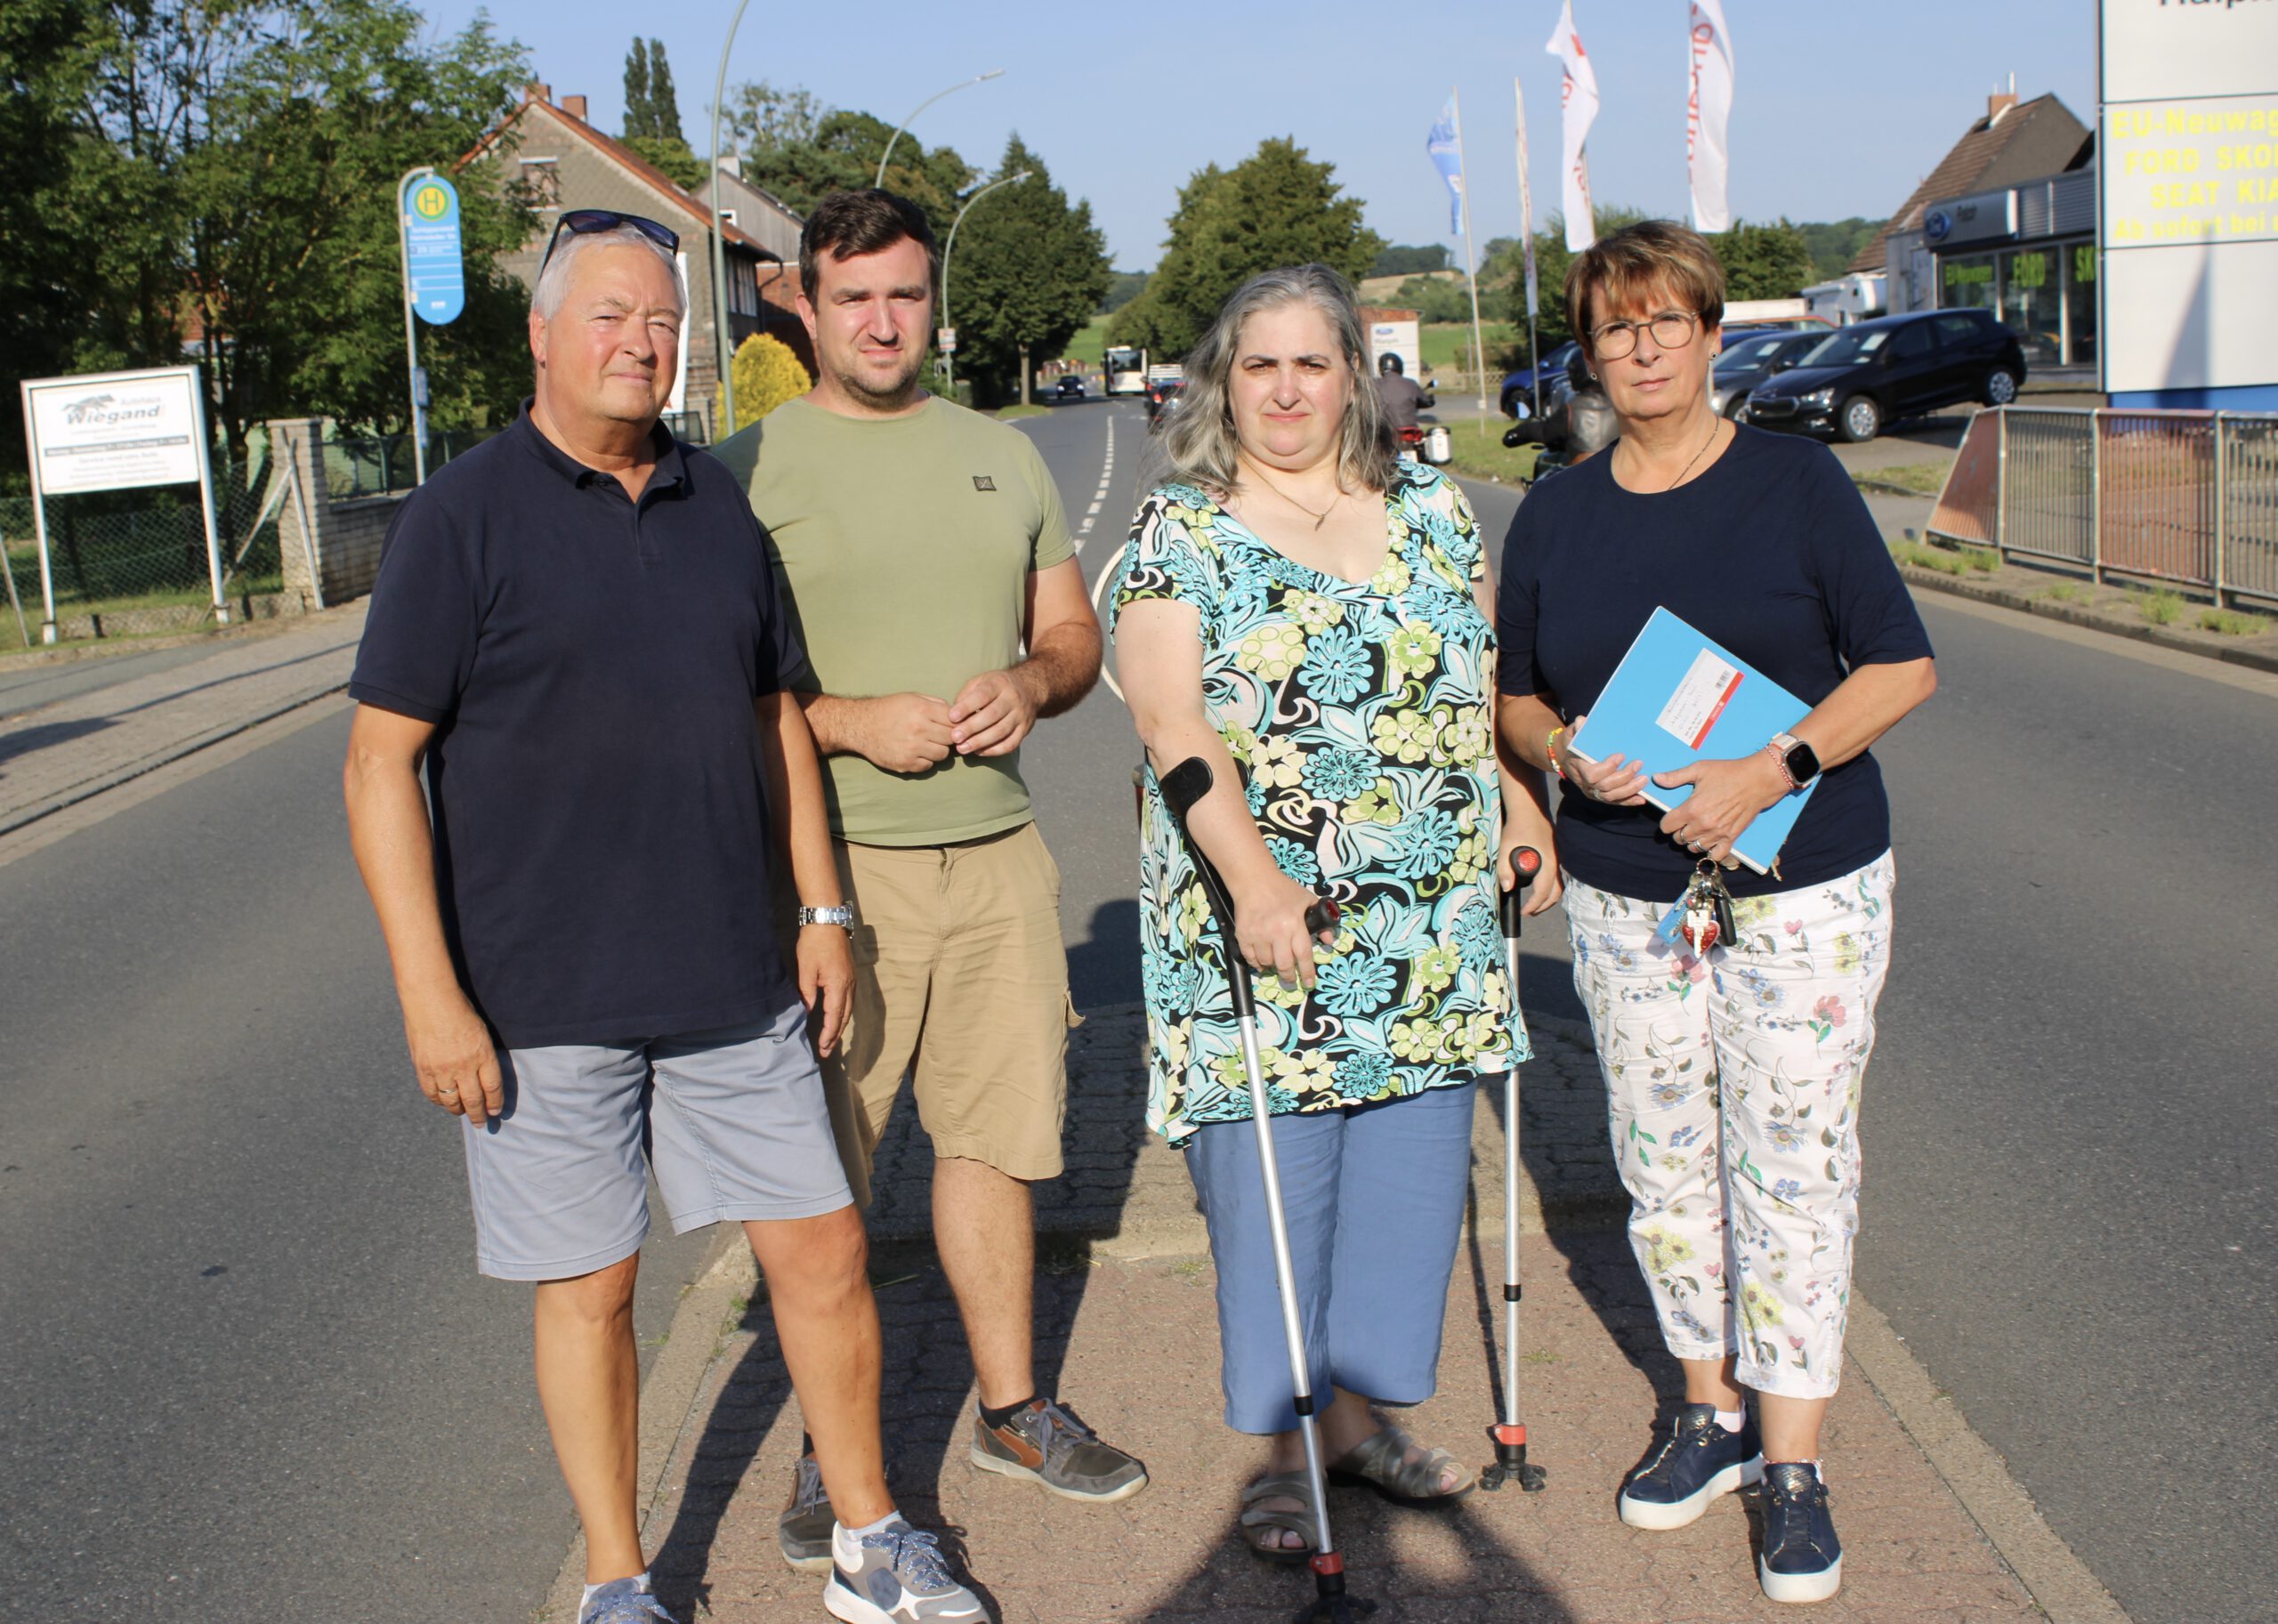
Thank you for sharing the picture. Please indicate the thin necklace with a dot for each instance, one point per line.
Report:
(1319, 519)
(1713, 427)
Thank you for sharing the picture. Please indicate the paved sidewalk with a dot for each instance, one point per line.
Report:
(83, 745)
(1128, 1336)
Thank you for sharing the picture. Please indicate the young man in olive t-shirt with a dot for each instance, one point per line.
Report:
(928, 567)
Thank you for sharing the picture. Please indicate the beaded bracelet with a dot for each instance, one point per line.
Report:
(1550, 751)
(1780, 760)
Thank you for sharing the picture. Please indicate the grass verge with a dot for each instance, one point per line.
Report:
(1924, 479)
(2231, 622)
(1488, 458)
(2160, 607)
(1945, 561)
(2068, 591)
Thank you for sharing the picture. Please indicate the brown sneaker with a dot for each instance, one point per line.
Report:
(1047, 1445)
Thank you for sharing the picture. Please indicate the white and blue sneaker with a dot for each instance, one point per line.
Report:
(1682, 1472)
(896, 1575)
(1802, 1560)
(623, 1601)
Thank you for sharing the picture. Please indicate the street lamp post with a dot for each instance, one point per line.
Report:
(724, 359)
(994, 73)
(949, 360)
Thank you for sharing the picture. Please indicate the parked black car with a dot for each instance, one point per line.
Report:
(1751, 359)
(1893, 366)
(1518, 387)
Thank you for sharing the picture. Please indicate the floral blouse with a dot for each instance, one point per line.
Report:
(1360, 714)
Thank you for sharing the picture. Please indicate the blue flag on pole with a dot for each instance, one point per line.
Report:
(1446, 147)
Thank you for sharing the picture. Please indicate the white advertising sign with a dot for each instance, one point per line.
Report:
(2187, 161)
(2155, 48)
(111, 430)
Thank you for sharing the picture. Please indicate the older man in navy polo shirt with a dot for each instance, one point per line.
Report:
(576, 633)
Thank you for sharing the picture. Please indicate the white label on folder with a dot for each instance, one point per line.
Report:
(1699, 700)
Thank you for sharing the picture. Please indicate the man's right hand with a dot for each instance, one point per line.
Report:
(906, 732)
(451, 1055)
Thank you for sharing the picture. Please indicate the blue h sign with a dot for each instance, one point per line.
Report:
(431, 256)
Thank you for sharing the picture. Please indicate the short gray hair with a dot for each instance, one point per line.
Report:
(1200, 443)
(553, 278)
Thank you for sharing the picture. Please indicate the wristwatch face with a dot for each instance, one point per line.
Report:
(1803, 762)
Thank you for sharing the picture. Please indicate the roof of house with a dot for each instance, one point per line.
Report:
(674, 197)
(2013, 143)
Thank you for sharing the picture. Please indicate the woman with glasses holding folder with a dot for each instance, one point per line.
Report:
(1732, 1065)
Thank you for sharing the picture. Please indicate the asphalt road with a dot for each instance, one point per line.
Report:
(251, 1372)
(2070, 1212)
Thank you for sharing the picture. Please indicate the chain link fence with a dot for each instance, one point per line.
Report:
(383, 464)
(125, 561)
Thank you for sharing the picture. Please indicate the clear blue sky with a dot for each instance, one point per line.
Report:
(1841, 105)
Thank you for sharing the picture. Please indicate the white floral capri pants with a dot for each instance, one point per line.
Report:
(1732, 1093)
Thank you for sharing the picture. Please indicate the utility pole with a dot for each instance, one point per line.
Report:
(721, 349)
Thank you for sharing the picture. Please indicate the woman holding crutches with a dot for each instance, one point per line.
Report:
(1310, 616)
(1734, 1041)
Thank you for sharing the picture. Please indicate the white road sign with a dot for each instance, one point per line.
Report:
(111, 430)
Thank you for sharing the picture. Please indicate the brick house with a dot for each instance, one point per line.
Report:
(569, 164)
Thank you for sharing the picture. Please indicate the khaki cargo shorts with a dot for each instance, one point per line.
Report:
(961, 984)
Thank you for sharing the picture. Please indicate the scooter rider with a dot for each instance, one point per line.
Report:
(1581, 426)
(1402, 397)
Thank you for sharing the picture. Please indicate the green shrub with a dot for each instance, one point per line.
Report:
(2232, 623)
(2160, 607)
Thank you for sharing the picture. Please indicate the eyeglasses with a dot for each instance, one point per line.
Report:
(1671, 330)
(581, 222)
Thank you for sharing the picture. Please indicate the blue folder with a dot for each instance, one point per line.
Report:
(1677, 698)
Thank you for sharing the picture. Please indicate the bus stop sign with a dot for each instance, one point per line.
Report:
(430, 247)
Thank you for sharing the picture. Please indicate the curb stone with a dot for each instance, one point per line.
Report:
(2004, 597)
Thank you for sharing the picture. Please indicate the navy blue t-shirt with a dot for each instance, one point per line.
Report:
(595, 774)
(1771, 553)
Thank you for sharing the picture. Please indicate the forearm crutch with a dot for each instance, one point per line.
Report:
(1510, 1433)
(1183, 787)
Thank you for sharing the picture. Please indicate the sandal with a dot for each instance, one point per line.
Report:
(1380, 1462)
(1256, 1518)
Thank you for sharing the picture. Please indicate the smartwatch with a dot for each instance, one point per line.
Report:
(842, 915)
(1800, 760)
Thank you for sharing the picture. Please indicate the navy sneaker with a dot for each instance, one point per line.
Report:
(1802, 1560)
(1682, 1472)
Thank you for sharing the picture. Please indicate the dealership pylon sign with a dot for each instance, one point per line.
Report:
(117, 430)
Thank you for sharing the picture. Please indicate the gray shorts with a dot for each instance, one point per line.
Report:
(733, 1121)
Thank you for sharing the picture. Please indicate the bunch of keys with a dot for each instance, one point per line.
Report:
(1703, 915)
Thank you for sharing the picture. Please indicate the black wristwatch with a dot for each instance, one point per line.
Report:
(1797, 759)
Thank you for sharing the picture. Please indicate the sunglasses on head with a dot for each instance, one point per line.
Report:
(580, 221)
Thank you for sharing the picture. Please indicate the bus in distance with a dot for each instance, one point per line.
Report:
(1124, 371)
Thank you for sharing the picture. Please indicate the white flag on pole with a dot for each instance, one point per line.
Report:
(1526, 198)
(1578, 99)
(1708, 107)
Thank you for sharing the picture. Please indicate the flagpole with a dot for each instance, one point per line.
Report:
(1471, 262)
(1526, 246)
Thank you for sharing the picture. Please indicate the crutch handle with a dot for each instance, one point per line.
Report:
(1526, 863)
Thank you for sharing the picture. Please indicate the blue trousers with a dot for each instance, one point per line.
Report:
(1375, 1199)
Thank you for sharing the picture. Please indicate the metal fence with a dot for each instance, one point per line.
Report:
(132, 561)
(383, 464)
(2187, 496)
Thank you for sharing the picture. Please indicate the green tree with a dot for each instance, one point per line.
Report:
(1276, 207)
(1834, 244)
(44, 58)
(1029, 269)
(653, 116)
(766, 372)
(1402, 259)
(1502, 283)
(759, 117)
(1434, 298)
(843, 156)
(1123, 286)
(1764, 261)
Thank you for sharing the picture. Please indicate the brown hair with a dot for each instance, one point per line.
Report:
(846, 223)
(1634, 261)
